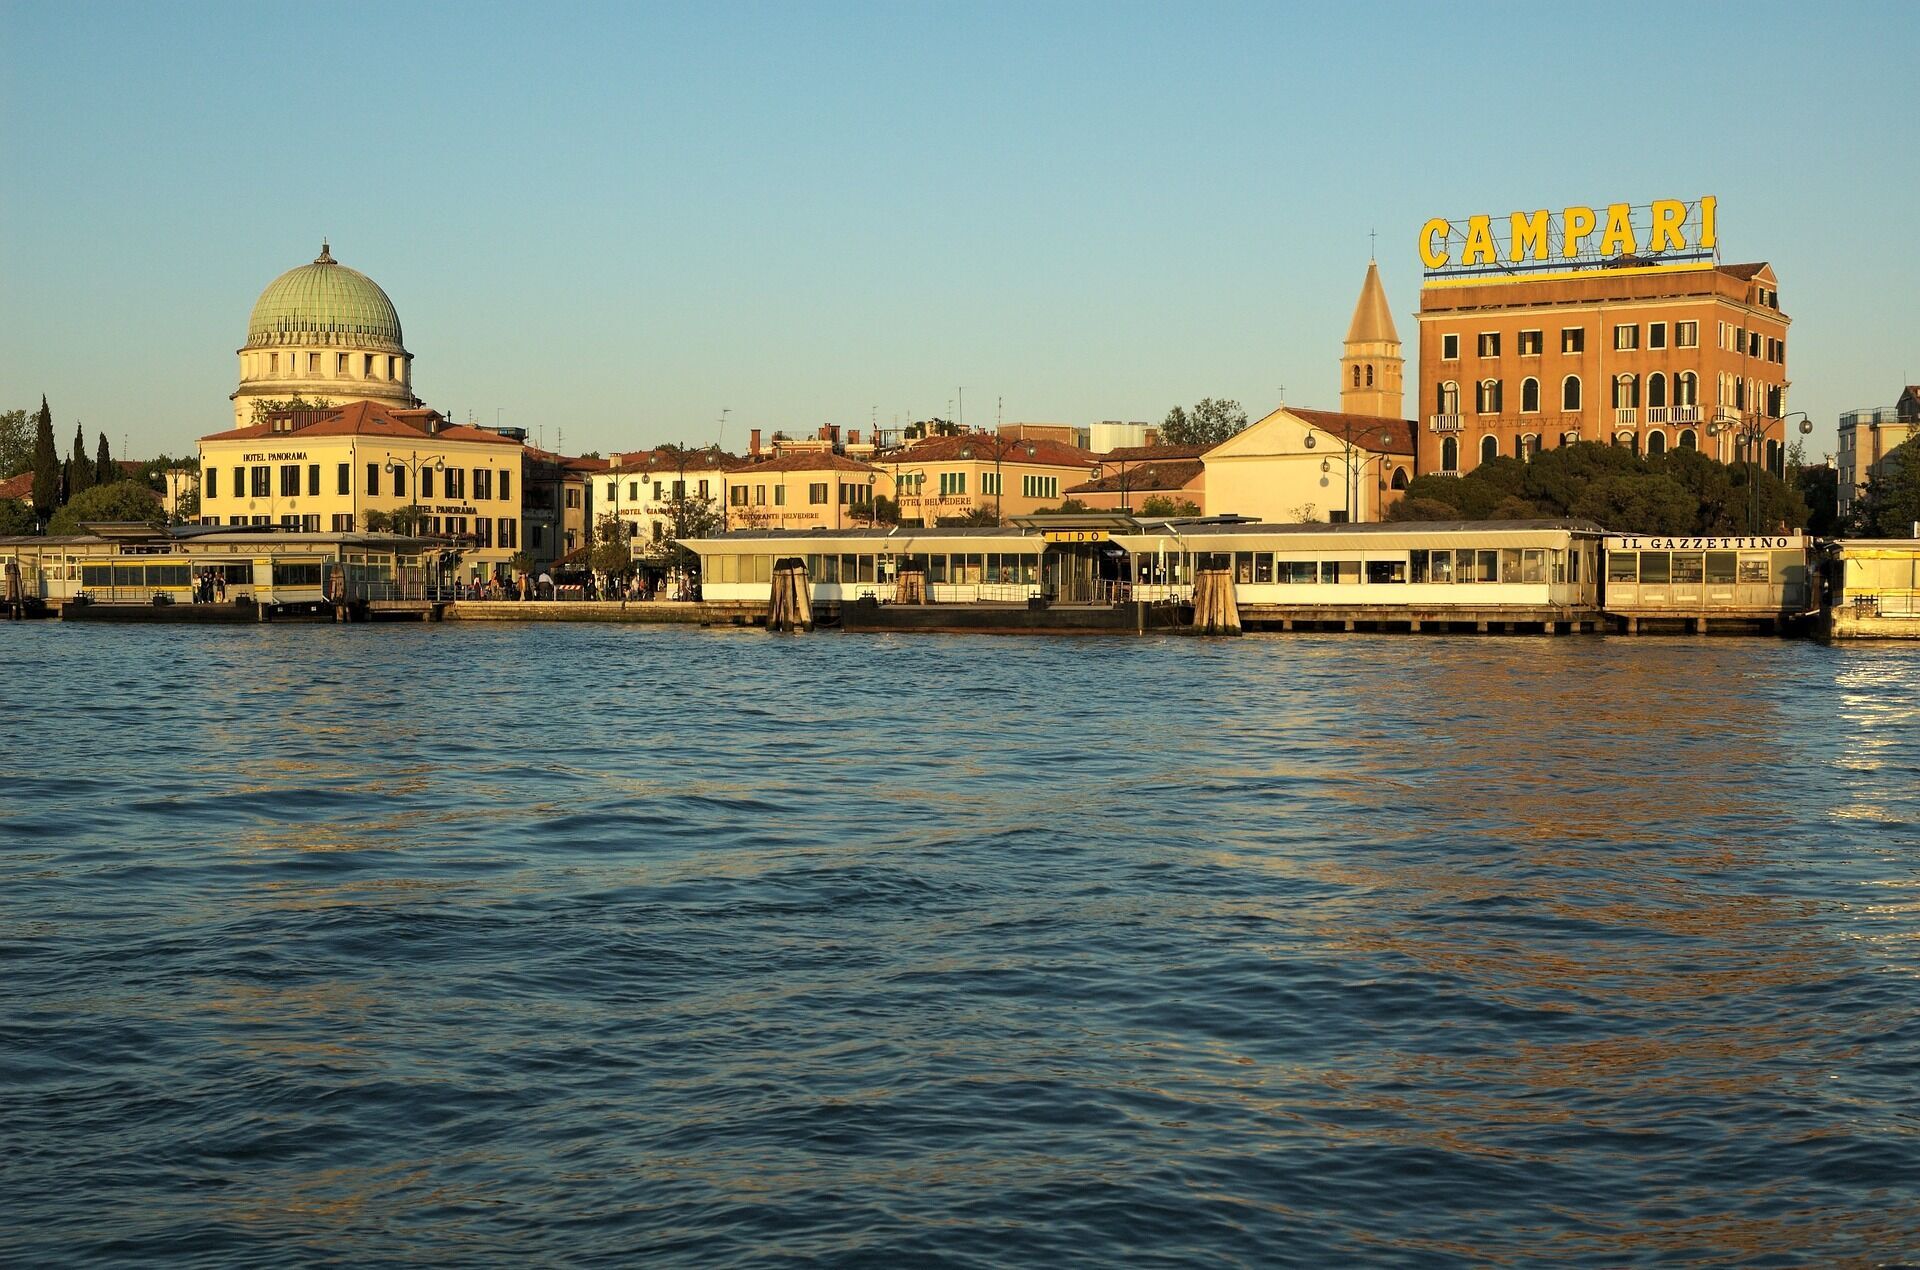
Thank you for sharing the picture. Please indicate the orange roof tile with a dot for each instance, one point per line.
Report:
(367, 419)
(1365, 430)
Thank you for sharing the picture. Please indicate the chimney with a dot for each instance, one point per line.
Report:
(753, 443)
(853, 437)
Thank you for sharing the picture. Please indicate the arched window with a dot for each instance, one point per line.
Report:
(1774, 455)
(1447, 402)
(1450, 454)
(1627, 441)
(1399, 478)
(1356, 376)
(1656, 442)
(1530, 396)
(1486, 397)
(1686, 389)
(1626, 392)
(1776, 401)
(1688, 441)
(1369, 374)
(1527, 446)
(1570, 393)
(1656, 391)
(1489, 448)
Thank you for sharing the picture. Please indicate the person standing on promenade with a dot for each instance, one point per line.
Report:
(219, 591)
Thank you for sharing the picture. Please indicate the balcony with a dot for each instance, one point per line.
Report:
(1626, 416)
(1444, 423)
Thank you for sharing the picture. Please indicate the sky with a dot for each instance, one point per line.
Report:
(611, 224)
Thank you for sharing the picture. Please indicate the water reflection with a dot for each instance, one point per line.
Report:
(602, 944)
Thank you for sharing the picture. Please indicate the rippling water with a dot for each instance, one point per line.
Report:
(593, 945)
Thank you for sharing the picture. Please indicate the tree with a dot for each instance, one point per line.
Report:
(46, 465)
(1209, 423)
(976, 518)
(16, 443)
(520, 562)
(1679, 492)
(610, 554)
(80, 467)
(104, 473)
(1414, 507)
(120, 501)
(886, 511)
(15, 518)
(376, 522)
(1072, 506)
(1165, 505)
(1819, 487)
(264, 410)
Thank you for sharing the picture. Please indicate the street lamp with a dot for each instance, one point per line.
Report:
(1000, 447)
(1353, 482)
(1749, 432)
(413, 465)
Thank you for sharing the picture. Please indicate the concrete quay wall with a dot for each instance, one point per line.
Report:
(647, 612)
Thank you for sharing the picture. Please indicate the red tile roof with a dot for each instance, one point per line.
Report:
(367, 419)
(1145, 478)
(662, 459)
(20, 487)
(1133, 453)
(1364, 429)
(983, 446)
(804, 461)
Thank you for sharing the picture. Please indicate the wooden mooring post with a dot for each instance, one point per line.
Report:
(791, 607)
(1215, 610)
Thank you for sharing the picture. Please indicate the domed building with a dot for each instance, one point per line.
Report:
(323, 332)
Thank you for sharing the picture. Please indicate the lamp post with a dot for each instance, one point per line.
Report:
(413, 465)
(1000, 447)
(1353, 483)
(1749, 432)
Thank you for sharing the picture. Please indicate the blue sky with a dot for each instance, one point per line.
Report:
(609, 223)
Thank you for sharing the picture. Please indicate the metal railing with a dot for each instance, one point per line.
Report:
(1444, 423)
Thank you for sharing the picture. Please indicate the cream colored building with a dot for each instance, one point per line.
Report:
(1867, 437)
(649, 489)
(1298, 465)
(1007, 473)
(326, 470)
(805, 486)
(323, 332)
(1344, 467)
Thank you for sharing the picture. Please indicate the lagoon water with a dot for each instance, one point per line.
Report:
(588, 945)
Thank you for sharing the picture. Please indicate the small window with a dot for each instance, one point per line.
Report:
(1489, 448)
(1623, 566)
(1656, 335)
(1449, 348)
(1686, 335)
(1573, 339)
(1531, 342)
(1626, 336)
(817, 493)
(1490, 344)
(1570, 393)
(1486, 397)
(1530, 396)
(1656, 566)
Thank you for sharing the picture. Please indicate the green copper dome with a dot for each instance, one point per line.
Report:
(324, 303)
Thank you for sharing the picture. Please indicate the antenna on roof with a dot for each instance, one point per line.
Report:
(1370, 236)
(721, 435)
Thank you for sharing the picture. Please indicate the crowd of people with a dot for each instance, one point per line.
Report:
(210, 586)
(675, 584)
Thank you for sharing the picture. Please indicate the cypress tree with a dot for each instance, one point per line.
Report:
(81, 478)
(46, 466)
(103, 469)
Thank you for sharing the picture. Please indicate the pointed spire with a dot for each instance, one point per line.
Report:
(326, 255)
(1372, 318)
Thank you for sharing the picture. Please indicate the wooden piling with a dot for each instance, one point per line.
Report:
(1215, 609)
(790, 604)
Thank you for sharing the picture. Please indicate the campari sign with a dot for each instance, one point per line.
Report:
(1667, 233)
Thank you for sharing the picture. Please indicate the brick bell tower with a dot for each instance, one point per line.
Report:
(1371, 366)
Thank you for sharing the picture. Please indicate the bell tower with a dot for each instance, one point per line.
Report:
(1370, 368)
